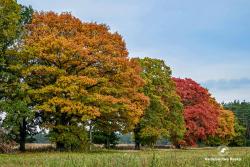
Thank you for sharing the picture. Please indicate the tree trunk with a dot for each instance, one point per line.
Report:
(137, 145)
(177, 146)
(137, 137)
(60, 146)
(22, 134)
(108, 142)
(90, 135)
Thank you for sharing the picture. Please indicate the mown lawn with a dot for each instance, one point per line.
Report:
(164, 158)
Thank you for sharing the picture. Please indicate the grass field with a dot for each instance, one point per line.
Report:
(240, 157)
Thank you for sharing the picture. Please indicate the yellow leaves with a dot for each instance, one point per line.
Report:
(226, 124)
(81, 81)
(110, 99)
(17, 67)
(45, 107)
(75, 86)
(151, 131)
(42, 70)
(49, 90)
(68, 106)
(135, 110)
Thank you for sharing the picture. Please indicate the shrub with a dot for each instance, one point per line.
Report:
(70, 138)
(6, 145)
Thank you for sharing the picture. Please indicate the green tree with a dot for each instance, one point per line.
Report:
(239, 138)
(14, 101)
(108, 139)
(164, 117)
(105, 131)
(9, 24)
(9, 27)
(242, 113)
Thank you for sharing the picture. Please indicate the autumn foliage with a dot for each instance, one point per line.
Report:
(226, 124)
(225, 131)
(200, 110)
(164, 116)
(74, 78)
(80, 71)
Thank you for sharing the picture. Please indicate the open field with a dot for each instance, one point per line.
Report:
(240, 157)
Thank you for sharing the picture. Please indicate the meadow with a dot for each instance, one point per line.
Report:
(240, 157)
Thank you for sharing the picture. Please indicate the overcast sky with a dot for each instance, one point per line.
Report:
(208, 41)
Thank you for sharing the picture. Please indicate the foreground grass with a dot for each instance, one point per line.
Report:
(169, 158)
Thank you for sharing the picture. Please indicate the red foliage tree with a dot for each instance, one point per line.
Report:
(200, 110)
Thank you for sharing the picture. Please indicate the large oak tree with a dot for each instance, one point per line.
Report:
(79, 72)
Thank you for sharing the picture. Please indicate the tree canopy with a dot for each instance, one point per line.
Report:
(14, 101)
(164, 117)
(80, 71)
(200, 110)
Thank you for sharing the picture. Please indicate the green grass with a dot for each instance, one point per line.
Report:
(151, 158)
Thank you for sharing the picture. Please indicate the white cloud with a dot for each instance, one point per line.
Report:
(229, 90)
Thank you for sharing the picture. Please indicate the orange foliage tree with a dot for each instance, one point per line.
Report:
(225, 131)
(79, 72)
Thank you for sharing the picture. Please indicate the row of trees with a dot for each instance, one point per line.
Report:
(70, 77)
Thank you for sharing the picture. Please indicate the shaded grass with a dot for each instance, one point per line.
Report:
(151, 158)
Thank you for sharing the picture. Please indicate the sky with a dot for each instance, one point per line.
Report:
(208, 41)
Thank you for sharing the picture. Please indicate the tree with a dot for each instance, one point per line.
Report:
(79, 72)
(105, 131)
(163, 117)
(9, 24)
(73, 137)
(200, 110)
(108, 139)
(239, 138)
(225, 131)
(242, 113)
(9, 27)
(13, 93)
(13, 18)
